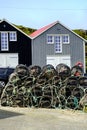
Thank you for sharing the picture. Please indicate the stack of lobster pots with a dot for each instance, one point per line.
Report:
(46, 87)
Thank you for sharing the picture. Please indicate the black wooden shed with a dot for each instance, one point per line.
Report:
(15, 46)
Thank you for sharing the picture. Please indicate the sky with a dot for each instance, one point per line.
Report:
(38, 13)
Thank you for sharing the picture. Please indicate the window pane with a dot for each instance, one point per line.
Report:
(58, 44)
(12, 36)
(65, 39)
(4, 41)
(50, 39)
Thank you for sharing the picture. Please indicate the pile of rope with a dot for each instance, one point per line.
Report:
(46, 87)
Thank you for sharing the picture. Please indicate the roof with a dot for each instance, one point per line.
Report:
(43, 29)
(15, 27)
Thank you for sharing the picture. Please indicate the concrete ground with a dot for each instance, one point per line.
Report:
(41, 119)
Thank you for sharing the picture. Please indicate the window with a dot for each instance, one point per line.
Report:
(58, 40)
(58, 44)
(50, 39)
(65, 38)
(12, 36)
(4, 41)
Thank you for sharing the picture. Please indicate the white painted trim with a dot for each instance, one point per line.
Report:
(15, 35)
(7, 49)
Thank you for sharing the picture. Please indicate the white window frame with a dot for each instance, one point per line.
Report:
(4, 41)
(65, 39)
(12, 36)
(58, 44)
(50, 39)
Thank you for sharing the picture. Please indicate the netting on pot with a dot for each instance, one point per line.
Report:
(63, 70)
(77, 71)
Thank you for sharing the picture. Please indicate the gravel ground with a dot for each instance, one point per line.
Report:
(41, 119)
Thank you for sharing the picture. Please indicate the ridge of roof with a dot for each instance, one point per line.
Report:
(41, 30)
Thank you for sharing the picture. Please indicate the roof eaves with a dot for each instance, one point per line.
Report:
(50, 25)
(74, 33)
(62, 25)
(16, 28)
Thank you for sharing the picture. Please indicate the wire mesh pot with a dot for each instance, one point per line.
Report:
(36, 90)
(41, 80)
(34, 70)
(47, 90)
(4, 101)
(72, 80)
(22, 71)
(78, 92)
(56, 80)
(72, 102)
(45, 102)
(63, 70)
(9, 89)
(83, 81)
(29, 82)
(77, 71)
(62, 101)
(48, 71)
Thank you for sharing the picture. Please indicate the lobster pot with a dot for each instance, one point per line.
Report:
(83, 82)
(77, 71)
(62, 101)
(71, 84)
(63, 70)
(48, 71)
(36, 94)
(18, 101)
(69, 89)
(62, 91)
(41, 80)
(45, 102)
(34, 70)
(48, 102)
(29, 82)
(78, 92)
(73, 81)
(72, 102)
(56, 81)
(48, 90)
(66, 91)
(7, 94)
(22, 71)
(14, 79)
(36, 91)
(9, 89)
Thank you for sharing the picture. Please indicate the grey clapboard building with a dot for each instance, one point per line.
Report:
(55, 44)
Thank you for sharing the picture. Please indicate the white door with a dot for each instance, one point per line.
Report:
(10, 60)
(55, 60)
